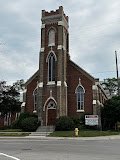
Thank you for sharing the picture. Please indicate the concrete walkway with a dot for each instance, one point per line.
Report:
(62, 138)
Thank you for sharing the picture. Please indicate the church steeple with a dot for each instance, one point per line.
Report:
(54, 34)
(53, 59)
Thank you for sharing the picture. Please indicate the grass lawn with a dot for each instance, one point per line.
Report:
(13, 132)
(83, 133)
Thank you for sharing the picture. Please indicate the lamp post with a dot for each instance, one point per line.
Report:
(117, 73)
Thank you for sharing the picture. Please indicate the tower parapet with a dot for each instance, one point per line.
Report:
(57, 16)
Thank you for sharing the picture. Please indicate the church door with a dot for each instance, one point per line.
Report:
(51, 117)
(51, 114)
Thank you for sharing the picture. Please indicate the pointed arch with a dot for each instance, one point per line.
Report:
(48, 101)
(51, 60)
(80, 92)
(49, 54)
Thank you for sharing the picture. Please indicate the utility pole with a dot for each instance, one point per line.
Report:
(117, 73)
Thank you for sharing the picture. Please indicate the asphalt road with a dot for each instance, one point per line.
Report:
(36, 149)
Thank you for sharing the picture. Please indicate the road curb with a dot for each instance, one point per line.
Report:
(63, 138)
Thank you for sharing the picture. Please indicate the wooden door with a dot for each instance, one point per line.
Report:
(51, 117)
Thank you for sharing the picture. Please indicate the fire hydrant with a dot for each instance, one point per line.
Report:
(76, 132)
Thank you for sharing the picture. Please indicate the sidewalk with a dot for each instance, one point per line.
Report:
(63, 138)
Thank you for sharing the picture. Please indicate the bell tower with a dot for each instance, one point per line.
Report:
(52, 86)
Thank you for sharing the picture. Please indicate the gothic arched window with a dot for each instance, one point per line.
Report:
(35, 99)
(51, 67)
(80, 98)
(51, 35)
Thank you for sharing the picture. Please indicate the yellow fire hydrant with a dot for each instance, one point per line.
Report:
(76, 132)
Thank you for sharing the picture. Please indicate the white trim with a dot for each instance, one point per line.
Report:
(51, 83)
(34, 111)
(58, 83)
(94, 87)
(98, 102)
(23, 104)
(50, 98)
(61, 23)
(51, 36)
(79, 85)
(51, 44)
(42, 26)
(40, 84)
(80, 111)
(35, 97)
(34, 91)
(51, 57)
(49, 54)
(61, 47)
(94, 101)
(42, 49)
(65, 83)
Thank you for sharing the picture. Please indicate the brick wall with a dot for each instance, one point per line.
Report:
(29, 95)
(73, 76)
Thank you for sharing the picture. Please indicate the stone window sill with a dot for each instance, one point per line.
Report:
(80, 111)
(51, 83)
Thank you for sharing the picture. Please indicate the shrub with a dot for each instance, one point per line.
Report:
(17, 124)
(29, 124)
(64, 124)
(77, 121)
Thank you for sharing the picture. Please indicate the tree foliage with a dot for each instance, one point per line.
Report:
(29, 124)
(19, 85)
(111, 113)
(111, 85)
(9, 101)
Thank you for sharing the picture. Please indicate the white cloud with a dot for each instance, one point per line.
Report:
(94, 35)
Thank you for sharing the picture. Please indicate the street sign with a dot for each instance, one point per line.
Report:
(91, 120)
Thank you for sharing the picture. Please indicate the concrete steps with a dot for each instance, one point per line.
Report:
(42, 131)
(45, 129)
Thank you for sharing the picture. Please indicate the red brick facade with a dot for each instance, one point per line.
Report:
(58, 98)
(73, 75)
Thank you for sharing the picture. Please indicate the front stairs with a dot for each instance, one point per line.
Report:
(43, 131)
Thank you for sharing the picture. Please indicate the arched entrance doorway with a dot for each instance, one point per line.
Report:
(51, 113)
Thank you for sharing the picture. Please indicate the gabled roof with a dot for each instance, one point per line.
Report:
(32, 77)
(82, 71)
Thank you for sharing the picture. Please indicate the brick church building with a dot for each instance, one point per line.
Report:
(60, 87)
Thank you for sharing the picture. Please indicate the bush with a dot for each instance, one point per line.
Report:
(64, 124)
(29, 124)
(77, 122)
(17, 124)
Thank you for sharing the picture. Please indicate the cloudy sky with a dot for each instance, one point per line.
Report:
(94, 28)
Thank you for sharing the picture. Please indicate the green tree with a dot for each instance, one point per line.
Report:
(111, 85)
(9, 101)
(110, 113)
(19, 85)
